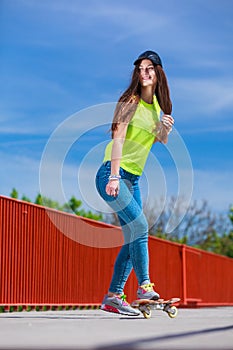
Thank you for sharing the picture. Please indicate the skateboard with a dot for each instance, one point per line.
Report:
(145, 306)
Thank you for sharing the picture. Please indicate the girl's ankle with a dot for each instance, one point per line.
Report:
(110, 294)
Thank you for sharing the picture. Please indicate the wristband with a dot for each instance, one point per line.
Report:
(114, 177)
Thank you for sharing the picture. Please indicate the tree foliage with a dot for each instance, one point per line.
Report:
(199, 228)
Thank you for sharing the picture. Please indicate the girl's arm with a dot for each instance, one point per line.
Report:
(112, 187)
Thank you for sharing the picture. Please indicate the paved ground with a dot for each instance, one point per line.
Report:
(205, 328)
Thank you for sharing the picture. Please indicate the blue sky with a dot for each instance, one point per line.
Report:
(64, 58)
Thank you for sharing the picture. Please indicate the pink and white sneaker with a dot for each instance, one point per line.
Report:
(118, 305)
(146, 291)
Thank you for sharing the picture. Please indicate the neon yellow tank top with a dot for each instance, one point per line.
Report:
(139, 138)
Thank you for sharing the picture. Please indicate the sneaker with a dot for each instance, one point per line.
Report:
(118, 305)
(146, 291)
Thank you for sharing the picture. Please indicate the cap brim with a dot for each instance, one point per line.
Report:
(140, 59)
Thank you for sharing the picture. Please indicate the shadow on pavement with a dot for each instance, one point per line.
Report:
(137, 344)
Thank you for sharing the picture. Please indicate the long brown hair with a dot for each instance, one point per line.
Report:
(127, 103)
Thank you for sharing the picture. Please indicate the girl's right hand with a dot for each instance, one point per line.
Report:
(112, 188)
(168, 121)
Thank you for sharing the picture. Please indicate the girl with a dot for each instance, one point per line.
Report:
(135, 127)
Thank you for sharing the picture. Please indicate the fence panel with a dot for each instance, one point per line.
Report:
(166, 267)
(51, 258)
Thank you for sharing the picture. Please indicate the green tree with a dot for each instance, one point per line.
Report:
(25, 199)
(227, 244)
(219, 243)
(227, 238)
(14, 194)
(230, 215)
(74, 205)
(47, 202)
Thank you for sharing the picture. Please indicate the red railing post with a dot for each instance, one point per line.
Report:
(184, 276)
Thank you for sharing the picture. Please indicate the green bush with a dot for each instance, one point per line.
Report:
(2, 309)
(12, 308)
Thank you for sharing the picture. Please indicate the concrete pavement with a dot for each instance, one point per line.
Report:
(203, 328)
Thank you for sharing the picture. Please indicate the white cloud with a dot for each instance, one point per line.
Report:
(204, 96)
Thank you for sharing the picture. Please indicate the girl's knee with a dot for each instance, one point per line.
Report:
(140, 226)
(142, 223)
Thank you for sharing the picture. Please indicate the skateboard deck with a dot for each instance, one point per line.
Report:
(145, 306)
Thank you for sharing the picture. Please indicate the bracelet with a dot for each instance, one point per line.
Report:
(114, 177)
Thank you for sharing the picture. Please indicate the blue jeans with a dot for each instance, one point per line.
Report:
(128, 206)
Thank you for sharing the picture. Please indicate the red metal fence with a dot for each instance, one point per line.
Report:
(52, 258)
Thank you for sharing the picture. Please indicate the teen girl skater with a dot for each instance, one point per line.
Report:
(135, 127)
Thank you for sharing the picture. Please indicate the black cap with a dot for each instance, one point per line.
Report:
(150, 55)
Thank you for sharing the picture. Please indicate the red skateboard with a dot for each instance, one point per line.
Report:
(145, 306)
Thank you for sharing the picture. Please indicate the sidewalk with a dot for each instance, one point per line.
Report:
(204, 328)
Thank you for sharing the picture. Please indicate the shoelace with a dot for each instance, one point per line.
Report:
(123, 297)
(148, 287)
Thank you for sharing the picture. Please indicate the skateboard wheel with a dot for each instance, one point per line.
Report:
(147, 313)
(172, 311)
